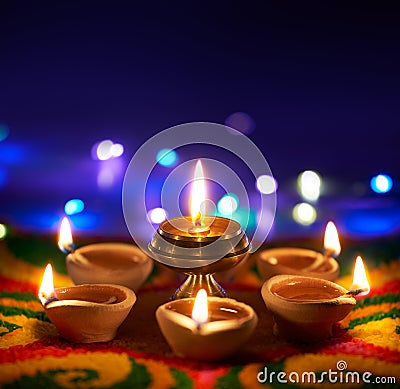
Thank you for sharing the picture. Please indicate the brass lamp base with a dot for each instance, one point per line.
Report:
(199, 255)
(194, 282)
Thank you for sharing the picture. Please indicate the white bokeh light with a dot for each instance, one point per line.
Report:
(304, 214)
(228, 204)
(3, 231)
(117, 150)
(104, 150)
(266, 184)
(157, 215)
(309, 185)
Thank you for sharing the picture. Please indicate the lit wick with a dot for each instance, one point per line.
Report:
(200, 308)
(360, 280)
(356, 292)
(332, 247)
(85, 313)
(65, 242)
(197, 199)
(46, 292)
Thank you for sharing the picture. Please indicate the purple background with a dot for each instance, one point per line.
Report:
(321, 82)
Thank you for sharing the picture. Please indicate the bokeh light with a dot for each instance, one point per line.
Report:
(157, 215)
(117, 150)
(4, 131)
(241, 121)
(309, 185)
(266, 184)
(167, 157)
(74, 206)
(14, 153)
(107, 149)
(382, 183)
(247, 218)
(304, 214)
(3, 231)
(104, 150)
(228, 204)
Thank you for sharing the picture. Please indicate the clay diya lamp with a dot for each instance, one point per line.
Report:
(86, 313)
(104, 263)
(206, 328)
(303, 262)
(305, 308)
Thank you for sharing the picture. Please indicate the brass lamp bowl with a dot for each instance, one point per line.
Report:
(219, 247)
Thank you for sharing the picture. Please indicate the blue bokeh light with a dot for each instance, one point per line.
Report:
(381, 183)
(228, 204)
(74, 206)
(12, 153)
(247, 218)
(167, 157)
(88, 221)
(372, 222)
(4, 131)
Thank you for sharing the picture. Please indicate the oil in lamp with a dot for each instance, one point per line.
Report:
(305, 308)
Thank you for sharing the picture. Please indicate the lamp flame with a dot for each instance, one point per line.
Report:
(200, 308)
(331, 240)
(65, 242)
(360, 280)
(46, 290)
(198, 195)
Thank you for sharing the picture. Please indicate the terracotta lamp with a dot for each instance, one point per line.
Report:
(104, 263)
(305, 308)
(85, 313)
(206, 328)
(303, 262)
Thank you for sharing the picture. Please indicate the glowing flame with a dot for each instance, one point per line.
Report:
(198, 195)
(200, 308)
(331, 239)
(46, 289)
(360, 280)
(65, 242)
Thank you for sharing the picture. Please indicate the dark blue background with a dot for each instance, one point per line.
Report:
(321, 81)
